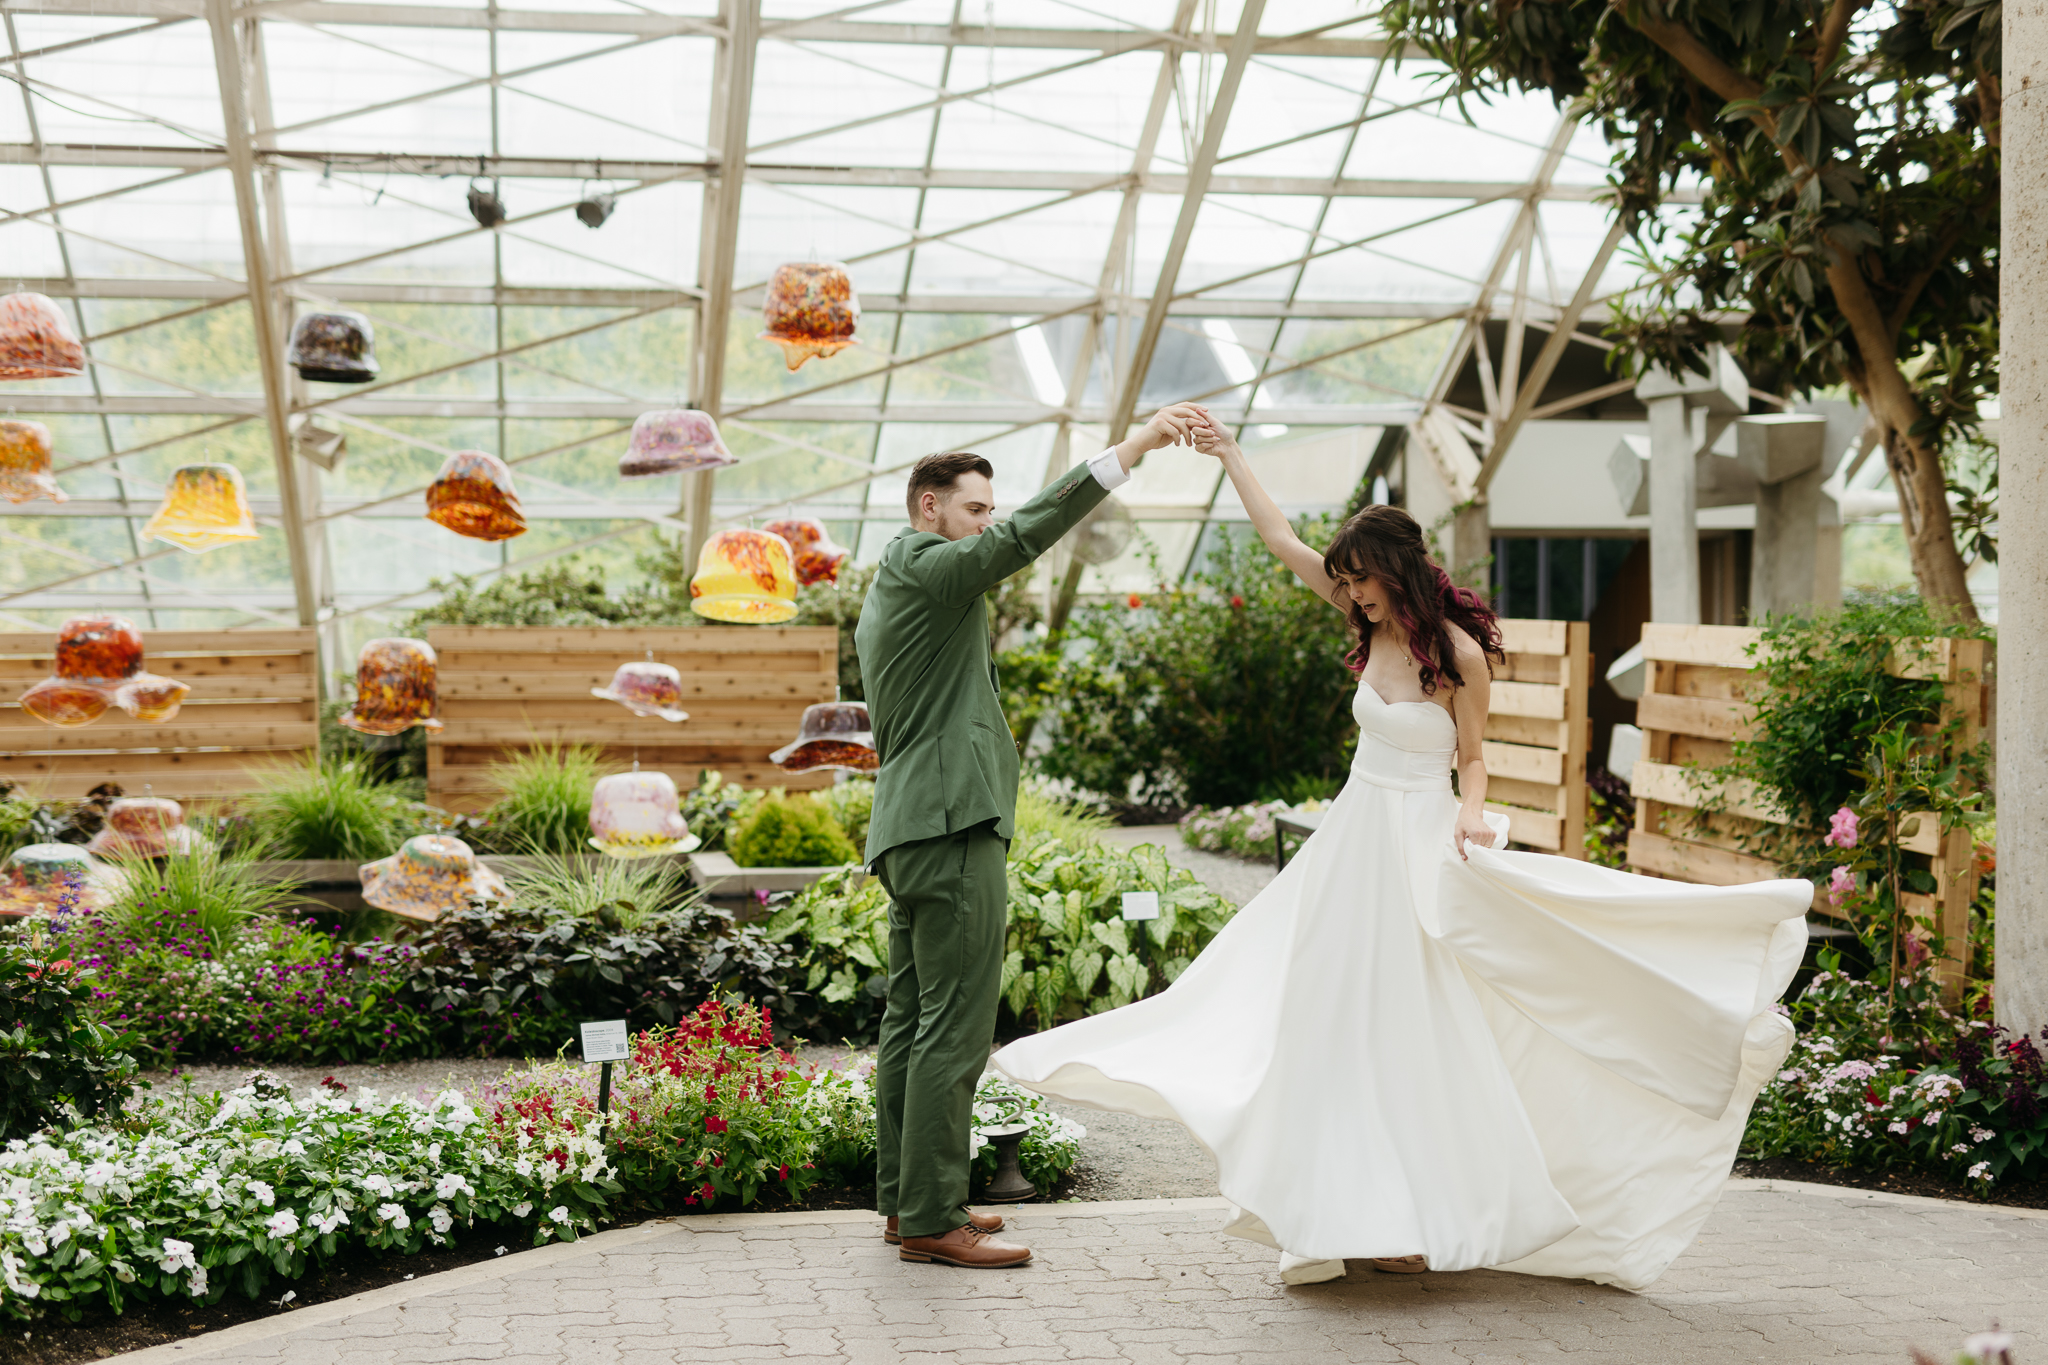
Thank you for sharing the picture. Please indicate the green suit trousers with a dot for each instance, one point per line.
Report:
(947, 921)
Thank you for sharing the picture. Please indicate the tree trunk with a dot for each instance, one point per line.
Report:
(1915, 466)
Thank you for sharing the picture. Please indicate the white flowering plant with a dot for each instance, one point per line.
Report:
(1051, 1144)
(196, 1194)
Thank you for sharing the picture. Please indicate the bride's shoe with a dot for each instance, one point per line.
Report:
(1400, 1265)
(1302, 1270)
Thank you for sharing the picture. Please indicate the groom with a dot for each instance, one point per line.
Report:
(940, 834)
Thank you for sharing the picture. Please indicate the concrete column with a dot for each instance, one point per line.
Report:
(1674, 515)
(1785, 453)
(2022, 987)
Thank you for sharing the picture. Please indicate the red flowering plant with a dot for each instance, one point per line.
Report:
(708, 1111)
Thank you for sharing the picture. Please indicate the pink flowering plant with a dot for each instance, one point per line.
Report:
(1246, 831)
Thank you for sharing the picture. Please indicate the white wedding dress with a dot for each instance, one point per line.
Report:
(1519, 1061)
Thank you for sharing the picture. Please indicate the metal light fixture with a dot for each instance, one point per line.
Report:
(593, 209)
(485, 206)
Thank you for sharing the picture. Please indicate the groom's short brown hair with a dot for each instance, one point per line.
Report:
(938, 474)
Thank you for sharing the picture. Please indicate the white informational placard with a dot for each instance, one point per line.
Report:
(605, 1041)
(1141, 905)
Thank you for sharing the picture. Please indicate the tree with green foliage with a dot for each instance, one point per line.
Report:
(1849, 159)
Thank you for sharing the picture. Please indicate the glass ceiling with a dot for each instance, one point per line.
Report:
(1007, 181)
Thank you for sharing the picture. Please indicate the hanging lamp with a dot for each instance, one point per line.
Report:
(818, 556)
(36, 340)
(395, 688)
(745, 577)
(673, 440)
(832, 734)
(473, 496)
(810, 309)
(334, 348)
(638, 815)
(205, 507)
(26, 453)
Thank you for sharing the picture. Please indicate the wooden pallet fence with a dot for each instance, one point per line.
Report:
(1694, 708)
(504, 689)
(253, 707)
(1537, 734)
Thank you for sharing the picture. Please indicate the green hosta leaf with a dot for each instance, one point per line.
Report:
(1126, 979)
(1112, 934)
(1013, 967)
(1018, 991)
(1086, 969)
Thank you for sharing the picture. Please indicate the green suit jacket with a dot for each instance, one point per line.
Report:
(948, 759)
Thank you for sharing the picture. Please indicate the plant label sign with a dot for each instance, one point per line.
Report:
(605, 1041)
(1141, 905)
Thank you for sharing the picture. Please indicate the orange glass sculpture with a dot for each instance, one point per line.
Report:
(745, 576)
(65, 704)
(205, 508)
(335, 348)
(818, 556)
(36, 340)
(638, 815)
(430, 875)
(394, 688)
(100, 650)
(151, 697)
(55, 879)
(810, 309)
(833, 734)
(678, 439)
(473, 496)
(99, 661)
(646, 689)
(25, 455)
(143, 827)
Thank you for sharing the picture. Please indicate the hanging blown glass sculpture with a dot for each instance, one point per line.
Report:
(143, 827)
(677, 439)
(833, 734)
(818, 556)
(25, 457)
(205, 508)
(395, 688)
(646, 689)
(430, 875)
(746, 577)
(638, 815)
(810, 309)
(101, 650)
(55, 878)
(99, 661)
(150, 697)
(335, 348)
(472, 496)
(65, 704)
(36, 340)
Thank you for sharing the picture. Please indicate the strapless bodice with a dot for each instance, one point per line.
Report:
(1406, 745)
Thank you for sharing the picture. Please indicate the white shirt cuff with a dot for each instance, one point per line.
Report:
(1108, 470)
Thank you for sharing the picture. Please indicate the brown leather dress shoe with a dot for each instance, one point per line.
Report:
(966, 1246)
(987, 1222)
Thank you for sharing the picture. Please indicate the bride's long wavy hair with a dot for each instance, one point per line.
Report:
(1386, 543)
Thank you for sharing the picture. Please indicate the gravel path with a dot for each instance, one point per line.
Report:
(1237, 878)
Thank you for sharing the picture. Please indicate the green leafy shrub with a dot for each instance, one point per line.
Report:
(1217, 692)
(1042, 815)
(58, 1063)
(710, 809)
(330, 808)
(543, 803)
(18, 820)
(852, 804)
(1051, 1142)
(399, 760)
(837, 930)
(786, 832)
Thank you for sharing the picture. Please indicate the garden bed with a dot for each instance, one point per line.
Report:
(2030, 1195)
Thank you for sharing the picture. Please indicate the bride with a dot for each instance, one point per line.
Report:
(1418, 1050)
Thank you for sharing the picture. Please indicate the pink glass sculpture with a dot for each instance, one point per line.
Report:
(36, 340)
(473, 496)
(833, 734)
(25, 459)
(430, 875)
(818, 556)
(143, 827)
(745, 577)
(638, 815)
(336, 348)
(395, 688)
(44, 879)
(646, 689)
(205, 508)
(810, 309)
(678, 439)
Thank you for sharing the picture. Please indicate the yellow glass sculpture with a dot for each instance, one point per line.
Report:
(430, 875)
(36, 340)
(473, 496)
(810, 309)
(638, 815)
(395, 688)
(745, 577)
(205, 508)
(45, 879)
(25, 455)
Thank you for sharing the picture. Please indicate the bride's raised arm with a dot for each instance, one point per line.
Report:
(1267, 518)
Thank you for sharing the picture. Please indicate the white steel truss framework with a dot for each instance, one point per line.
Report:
(1054, 228)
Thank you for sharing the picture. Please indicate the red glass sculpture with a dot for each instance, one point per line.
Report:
(99, 661)
(745, 577)
(25, 458)
(678, 439)
(833, 734)
(473, 496)
(646, 689)
(36, 340)
(100, 650)
(818, 556)
(336, 348)
(810, 309)
(143, 827)
(395, 688)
